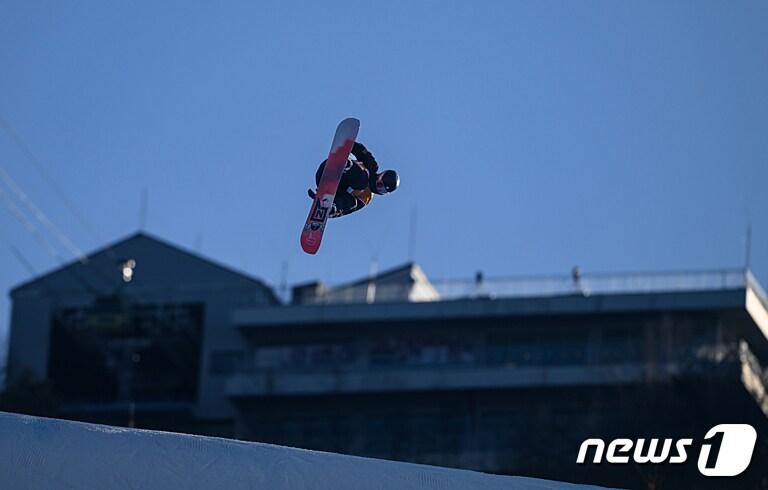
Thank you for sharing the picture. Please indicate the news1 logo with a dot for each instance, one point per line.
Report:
(725, 451)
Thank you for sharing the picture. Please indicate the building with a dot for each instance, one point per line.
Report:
(407, 283)
(504, 376)
(137, 334)
(513, 376)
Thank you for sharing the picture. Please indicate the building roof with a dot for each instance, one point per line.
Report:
(158, 264)
(740, 293)
(406, 282)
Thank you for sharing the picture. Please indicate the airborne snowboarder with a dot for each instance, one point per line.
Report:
(359, 181)
(343, 185)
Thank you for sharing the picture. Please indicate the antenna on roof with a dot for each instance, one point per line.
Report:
(370, 294)
(412, 233)
(143, 210)
(284, 280)
(748, 251)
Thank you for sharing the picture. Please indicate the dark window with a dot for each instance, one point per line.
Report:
(117, 352)
(224, 363)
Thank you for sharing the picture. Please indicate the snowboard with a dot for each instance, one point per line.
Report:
(312, 234)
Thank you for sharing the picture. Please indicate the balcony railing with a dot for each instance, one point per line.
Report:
(538, 286)
(595, 284)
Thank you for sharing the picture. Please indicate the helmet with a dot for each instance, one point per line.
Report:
(387, 181)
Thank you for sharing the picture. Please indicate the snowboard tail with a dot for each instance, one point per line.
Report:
(343, 140)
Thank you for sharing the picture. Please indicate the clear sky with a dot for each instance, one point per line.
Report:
(530, 136)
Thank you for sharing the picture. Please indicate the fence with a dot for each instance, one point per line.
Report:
(538, 286)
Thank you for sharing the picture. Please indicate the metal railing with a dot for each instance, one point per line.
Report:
(595, 284)
(541, 286)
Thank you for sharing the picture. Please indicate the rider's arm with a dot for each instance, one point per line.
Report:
(362, 154)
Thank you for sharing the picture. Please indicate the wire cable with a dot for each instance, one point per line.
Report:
(38, 165)
(41, 217)
(29, 226)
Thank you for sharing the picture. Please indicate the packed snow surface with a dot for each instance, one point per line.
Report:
(40, 453)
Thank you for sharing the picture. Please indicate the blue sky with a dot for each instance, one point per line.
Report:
(530, 136)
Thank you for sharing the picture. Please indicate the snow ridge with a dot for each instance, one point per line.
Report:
(41, 453)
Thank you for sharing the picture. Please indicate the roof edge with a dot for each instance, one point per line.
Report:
(143, 234)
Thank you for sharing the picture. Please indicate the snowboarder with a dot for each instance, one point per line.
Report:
(360, 180)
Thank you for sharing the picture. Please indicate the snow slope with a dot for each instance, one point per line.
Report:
(40, 453)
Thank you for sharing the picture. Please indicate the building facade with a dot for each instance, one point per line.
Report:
(136, 334)
(506, 376)
(514, 385)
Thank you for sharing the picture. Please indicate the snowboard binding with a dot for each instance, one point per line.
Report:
(334, 211)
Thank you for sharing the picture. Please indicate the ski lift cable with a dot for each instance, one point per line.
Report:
(30, 227)
(41, 239)
(38, 164)
(18, 255)
(13, 190)
(22, 259)
(14, 136)
(41, 217)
